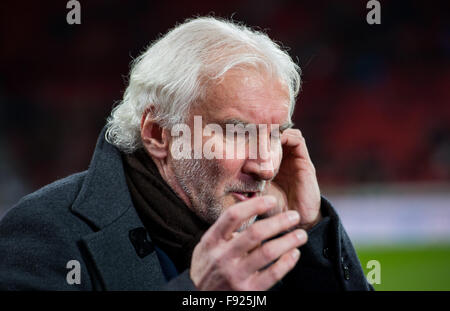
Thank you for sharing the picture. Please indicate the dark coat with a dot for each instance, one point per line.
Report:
(90, 217)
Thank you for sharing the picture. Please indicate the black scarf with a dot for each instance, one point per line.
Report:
(172, 226)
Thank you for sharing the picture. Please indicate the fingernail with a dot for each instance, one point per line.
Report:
(295, 253)
(270, 200)
(293, 216)
(300, 235)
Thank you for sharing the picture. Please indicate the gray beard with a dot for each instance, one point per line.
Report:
(197, 179)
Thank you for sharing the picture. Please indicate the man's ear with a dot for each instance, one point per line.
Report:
(154, 137)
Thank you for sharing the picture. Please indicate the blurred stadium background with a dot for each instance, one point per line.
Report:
(374, 107)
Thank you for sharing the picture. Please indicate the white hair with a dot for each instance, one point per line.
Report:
(175, 70)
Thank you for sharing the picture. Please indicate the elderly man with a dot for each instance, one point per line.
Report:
(144, 218)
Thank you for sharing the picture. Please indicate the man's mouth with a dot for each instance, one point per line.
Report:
(244, 195)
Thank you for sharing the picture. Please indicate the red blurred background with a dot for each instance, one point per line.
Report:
(374, 105)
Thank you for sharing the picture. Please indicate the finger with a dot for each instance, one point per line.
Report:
(272, 250)
(267, 278)
(263, 230)
(235, 215)
(293, 139)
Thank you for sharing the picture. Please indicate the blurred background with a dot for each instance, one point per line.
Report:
(374, 107)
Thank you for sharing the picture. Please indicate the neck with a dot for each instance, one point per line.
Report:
(169, 177)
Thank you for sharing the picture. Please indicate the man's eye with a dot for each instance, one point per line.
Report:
(236, 135)
(276, 134)
(231, 135)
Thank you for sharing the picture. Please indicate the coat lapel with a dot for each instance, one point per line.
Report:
(116, 260)
(105, 204)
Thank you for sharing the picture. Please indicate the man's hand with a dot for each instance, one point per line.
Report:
(227, 260)
(297, 179)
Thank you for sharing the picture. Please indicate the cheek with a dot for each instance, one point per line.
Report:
(229, 167)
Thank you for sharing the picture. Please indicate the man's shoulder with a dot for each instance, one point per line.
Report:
(39, 236)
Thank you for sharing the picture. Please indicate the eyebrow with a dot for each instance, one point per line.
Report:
(282, 127)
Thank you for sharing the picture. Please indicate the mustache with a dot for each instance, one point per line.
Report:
(247, 187)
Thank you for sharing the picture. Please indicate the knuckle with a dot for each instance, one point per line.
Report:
(214, 258)
(207, 244)
(205, 240)
(232, 214)
(306, 165)
(297, 132)
(254, 234)
(275, 273)
(267, 253)
(261, 207)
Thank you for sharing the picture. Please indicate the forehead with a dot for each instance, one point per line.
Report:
(248, 96)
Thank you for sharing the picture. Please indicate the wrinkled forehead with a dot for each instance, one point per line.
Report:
(248, 96)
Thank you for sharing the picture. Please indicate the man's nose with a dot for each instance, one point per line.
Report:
(259, 169)
(262, 165)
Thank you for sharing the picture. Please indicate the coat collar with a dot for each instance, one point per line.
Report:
(104, 202)
(104, 195)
